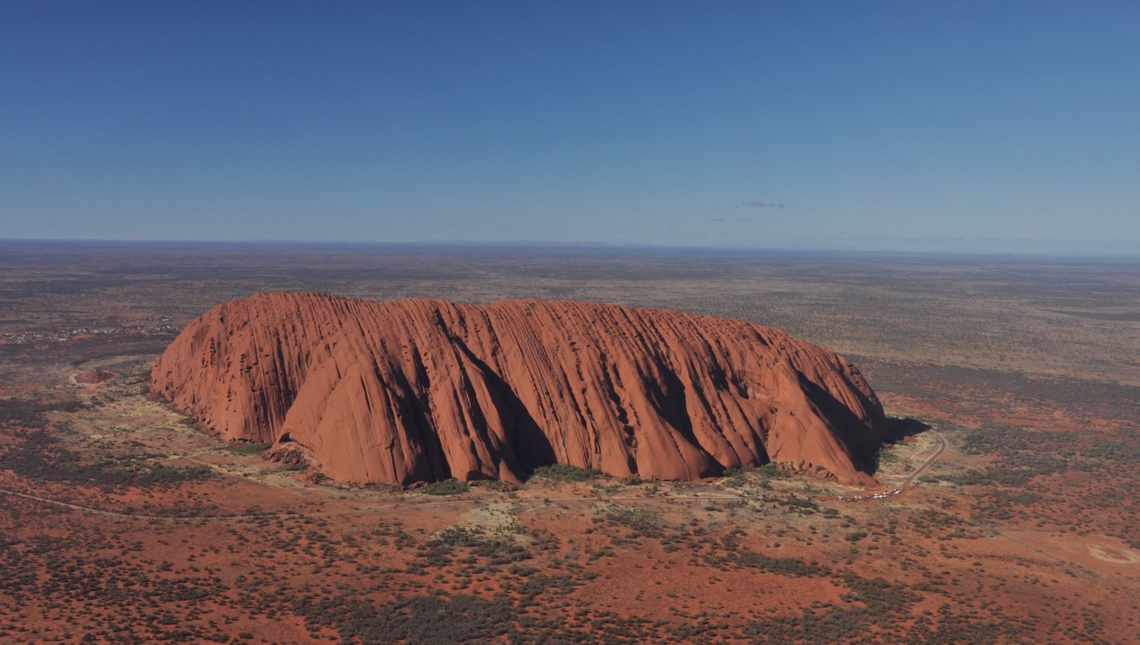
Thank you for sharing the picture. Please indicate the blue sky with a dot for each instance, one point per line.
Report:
(614, 122)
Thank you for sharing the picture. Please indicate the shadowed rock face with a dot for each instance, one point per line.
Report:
(398, 392)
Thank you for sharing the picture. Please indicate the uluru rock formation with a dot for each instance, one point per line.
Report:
(424, 390)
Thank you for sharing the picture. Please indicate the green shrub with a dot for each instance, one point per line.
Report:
(446, 487)
(248, 448)
(771, 471)
(639, 520)
(40, 456)
(567, 473)
(789, 567)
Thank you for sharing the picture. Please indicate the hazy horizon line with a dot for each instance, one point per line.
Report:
(877, 246)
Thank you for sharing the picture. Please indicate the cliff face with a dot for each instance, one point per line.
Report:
(398, 392)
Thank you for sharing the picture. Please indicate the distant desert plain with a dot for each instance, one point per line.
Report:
(1001, 506)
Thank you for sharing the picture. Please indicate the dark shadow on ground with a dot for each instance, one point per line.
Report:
(896, 430)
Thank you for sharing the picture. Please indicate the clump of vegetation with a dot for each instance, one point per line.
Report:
(1022, 455)
(430, 620)
(885, 455)
(991, 475)
(995, 438)
(1126, 451)
(735, 477)
(459, 536)
(248, 448)
(1036, 451)
(639, 520)
(872, 608)
(41, 457)
(499, 550)
(446, 487)
(790, 567)
(499, 486)
(567, 473)
(438, 551)
(880, 596)
(30, 414)
(770, 471)
(795, 504)
(931, 523)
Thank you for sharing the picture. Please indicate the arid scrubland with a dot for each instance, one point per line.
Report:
(122, 523)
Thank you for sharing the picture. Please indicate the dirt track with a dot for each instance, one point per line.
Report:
(905, 487)
(907, 483)
(360, 509)
(942, 445)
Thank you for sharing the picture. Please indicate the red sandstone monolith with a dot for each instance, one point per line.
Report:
(414, 390)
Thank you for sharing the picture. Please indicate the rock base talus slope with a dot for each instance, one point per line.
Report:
(421, 390)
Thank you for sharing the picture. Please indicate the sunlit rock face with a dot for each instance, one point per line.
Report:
(422, 390)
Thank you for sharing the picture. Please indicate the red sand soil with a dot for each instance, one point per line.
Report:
(757, 557)
(252, 551)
